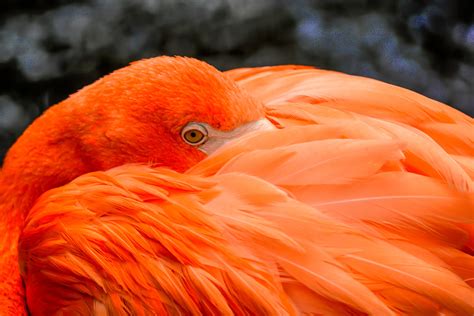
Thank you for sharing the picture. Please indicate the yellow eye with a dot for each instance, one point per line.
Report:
(194, 134)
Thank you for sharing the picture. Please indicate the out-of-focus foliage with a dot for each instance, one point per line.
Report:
(51, 48)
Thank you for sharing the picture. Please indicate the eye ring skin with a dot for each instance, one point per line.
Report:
(214, 138)
(197, 129)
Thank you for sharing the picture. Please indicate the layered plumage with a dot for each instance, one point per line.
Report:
(359, 202)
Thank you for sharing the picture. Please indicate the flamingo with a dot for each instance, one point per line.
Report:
(171, 188)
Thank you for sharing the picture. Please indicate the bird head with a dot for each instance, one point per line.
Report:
(168, 111)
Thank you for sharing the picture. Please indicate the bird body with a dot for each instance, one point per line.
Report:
(357, 199)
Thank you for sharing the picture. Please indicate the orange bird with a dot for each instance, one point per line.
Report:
(170, 188)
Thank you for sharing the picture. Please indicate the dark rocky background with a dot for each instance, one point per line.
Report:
(51, 48)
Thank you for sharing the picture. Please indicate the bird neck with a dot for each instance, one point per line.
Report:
(12, 293)
(42, 159)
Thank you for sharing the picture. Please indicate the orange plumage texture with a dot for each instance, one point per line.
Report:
(359, 202)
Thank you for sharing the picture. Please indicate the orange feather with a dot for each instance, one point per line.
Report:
(359, 202)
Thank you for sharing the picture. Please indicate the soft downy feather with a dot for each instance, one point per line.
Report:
(146, 244)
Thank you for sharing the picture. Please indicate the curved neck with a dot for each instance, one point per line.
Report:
(12, 296)
(12, 293)
(45, 157)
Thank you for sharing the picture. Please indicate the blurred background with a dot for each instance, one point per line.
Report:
(51, 48)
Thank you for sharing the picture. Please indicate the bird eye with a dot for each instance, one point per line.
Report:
(194, 134)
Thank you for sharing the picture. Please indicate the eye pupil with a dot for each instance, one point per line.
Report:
(193, 134)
